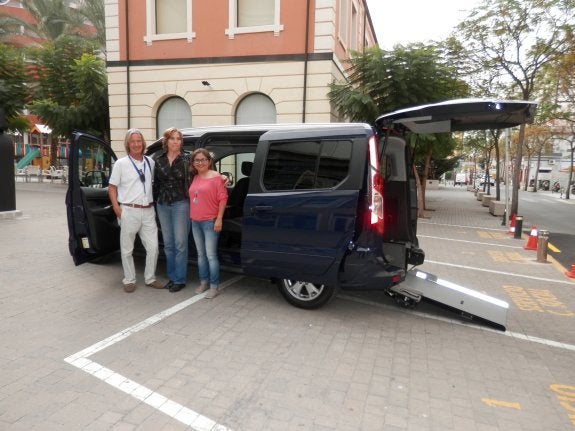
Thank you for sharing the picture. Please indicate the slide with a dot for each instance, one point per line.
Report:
(25, 161)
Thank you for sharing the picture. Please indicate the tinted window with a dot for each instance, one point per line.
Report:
(94, 163)
(306, 165)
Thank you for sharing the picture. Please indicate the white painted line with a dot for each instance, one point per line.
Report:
(177, 411)
(512, 274)
(469, 242)
(462, 226)
(517, 335)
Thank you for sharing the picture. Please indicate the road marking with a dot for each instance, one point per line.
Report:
(566, 396)
(175, 410)
(469, 242)
(506, 257)
(512, 274)
(499, 403)
(538, 300)
(516, 335)
(460, 225)
(553, 248)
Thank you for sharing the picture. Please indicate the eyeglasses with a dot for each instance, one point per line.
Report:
(199, 161)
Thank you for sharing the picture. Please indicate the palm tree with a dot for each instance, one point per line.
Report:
(51, 19)
(94, 13)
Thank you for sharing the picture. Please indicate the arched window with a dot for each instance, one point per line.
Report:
(256, 109)
(173, 112)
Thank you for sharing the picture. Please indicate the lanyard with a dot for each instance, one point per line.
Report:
(141, 174)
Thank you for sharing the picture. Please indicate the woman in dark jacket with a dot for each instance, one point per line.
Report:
(171, 182)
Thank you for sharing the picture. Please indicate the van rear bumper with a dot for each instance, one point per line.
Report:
(365, 271)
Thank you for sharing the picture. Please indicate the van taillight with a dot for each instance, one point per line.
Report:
(375, 189)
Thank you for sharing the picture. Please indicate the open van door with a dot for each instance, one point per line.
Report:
(461, 115)
(92, 226)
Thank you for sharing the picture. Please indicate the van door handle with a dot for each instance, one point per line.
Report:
(262, 209)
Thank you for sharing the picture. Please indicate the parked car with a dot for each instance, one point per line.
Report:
(480, 182)
(315, 207)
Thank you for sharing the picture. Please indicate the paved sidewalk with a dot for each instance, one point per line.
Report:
(80, 354)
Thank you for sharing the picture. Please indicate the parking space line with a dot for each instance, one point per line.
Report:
(459, 225)
(512, 274)
(177, 411)
(517, 335)
(469, 242)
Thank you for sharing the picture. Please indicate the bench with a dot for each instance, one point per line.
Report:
(20, 173)
(33, 171)
(56, 174)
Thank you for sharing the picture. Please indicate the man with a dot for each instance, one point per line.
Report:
(130, 191)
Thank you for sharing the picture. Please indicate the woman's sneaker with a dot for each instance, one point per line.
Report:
(202, 288)
(212, 293)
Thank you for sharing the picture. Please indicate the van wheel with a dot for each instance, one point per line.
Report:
(306, 295)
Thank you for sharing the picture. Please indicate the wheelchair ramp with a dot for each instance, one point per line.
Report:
(470, 303)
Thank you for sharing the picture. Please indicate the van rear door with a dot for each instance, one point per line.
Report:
(461, 115)
(301, 208)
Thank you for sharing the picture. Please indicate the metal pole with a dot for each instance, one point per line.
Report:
(542, 242)
(518, 227)
(507, 141)
(7, 179)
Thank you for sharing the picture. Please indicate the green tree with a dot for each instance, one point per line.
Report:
(54, 18)
(93, 12)
(71, 87)
(558, 96)
(51, 19)
(514, 40)
(13, 90)
(383, 81)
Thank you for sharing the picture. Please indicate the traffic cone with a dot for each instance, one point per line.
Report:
(512, 225)
(571, 274)
(532, 240)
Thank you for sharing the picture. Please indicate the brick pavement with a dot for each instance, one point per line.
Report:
(249, 361)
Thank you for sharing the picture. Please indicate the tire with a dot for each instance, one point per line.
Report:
(306, 295)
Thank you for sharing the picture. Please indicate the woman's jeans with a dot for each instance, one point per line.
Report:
(175, 223)
(206, 240)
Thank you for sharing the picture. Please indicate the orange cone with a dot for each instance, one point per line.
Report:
(571, 274)
(512, 225)
(532, 240)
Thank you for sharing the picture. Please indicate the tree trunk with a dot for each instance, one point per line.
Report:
(517, 172)
(420, 202)
(426, 168)
(497, 167)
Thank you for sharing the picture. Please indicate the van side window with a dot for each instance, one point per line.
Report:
(306, 164)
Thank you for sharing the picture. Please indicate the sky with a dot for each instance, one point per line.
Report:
(406, 21)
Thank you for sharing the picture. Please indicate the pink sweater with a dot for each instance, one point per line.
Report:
(206, 196)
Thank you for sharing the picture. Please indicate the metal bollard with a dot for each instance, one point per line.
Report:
(518, 227)
(542, 241)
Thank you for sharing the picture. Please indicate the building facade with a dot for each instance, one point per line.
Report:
(192, 63)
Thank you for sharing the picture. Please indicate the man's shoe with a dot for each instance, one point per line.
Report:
(155, 285)
(169, 285)
(212, 293)
(130, 287)
(202, 288)
(177, 287)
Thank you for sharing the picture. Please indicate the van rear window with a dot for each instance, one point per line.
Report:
(306, 164)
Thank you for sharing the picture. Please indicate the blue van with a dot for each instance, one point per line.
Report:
(313, 207)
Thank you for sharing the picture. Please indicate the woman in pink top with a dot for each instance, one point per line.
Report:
(208, 198)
